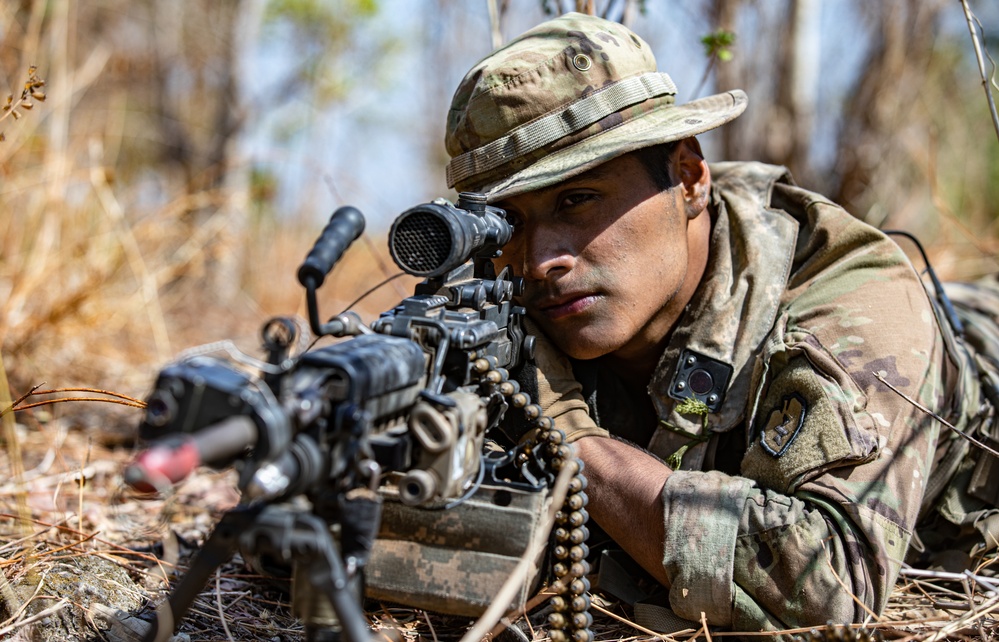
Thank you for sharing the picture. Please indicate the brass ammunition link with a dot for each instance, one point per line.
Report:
(570, 620)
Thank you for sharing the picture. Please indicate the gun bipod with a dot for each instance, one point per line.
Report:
(291, 536)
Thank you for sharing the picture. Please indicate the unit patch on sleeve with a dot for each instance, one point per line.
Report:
(783, 424)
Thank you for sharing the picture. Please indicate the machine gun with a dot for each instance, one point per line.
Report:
(408, 401)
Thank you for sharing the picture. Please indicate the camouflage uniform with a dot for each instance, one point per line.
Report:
(796, 498)
(802, 491)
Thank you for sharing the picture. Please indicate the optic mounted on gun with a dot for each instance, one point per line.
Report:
(434, 238)
(400, 407)
(429, 240)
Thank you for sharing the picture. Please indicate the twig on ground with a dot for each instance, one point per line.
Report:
(513, 615)
(964, 620)
(430, 625)
(639, 627)
(929, 412)
(41, 615)
(218, 603)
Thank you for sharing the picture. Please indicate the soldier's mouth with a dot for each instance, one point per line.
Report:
(567, 305)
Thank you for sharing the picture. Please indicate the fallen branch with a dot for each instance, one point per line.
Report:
(116, 397)
(929, 412)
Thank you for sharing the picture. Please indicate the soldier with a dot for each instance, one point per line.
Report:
(736, 359)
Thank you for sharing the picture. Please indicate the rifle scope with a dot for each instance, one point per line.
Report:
(432, 239)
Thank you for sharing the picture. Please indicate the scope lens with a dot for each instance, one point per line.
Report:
(421, 242)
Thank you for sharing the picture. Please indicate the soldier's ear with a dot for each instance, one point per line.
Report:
(694, 175)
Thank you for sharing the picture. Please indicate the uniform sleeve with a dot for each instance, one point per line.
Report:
(817, 524)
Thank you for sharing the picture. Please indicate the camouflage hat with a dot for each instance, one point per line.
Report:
(564, 97)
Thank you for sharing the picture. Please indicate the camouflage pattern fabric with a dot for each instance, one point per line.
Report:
(795, 501)
(796, 497)
(455, 560)
(964, 487)
(561, 98)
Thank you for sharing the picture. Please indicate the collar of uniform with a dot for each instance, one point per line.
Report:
(734, 308)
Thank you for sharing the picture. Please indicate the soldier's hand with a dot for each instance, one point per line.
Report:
(559, 394)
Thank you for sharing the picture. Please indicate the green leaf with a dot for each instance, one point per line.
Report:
(718, 45)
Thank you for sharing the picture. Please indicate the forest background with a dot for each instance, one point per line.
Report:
(187, 153)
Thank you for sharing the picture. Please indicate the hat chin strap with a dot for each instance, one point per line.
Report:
(543, 131)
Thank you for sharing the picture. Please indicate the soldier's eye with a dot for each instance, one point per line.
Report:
(577, 198)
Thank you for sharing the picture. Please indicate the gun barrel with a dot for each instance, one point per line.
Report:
(172, 460)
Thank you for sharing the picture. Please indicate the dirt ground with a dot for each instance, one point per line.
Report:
(83, 558)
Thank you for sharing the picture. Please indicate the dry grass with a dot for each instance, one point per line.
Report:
(97, 291)
(101, 285)
(69, 515)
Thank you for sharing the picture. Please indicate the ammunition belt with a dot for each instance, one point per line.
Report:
(570, 620)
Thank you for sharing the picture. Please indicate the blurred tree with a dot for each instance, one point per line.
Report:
(188, 73)
(877, 110)
(901, 117)
(323, 34)
(174, 131)
(902, 34)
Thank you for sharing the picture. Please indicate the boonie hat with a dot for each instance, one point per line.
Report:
(568, 95)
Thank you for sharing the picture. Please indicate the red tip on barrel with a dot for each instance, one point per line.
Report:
(160, 466)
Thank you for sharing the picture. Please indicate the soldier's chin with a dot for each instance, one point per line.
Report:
(582, 346)
(582, 338)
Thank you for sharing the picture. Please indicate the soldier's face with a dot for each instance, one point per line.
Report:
(604, 256)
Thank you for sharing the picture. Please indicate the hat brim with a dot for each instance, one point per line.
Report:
(664, 125)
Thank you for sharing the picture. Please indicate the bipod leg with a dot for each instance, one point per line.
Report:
(326, 573)
(218, 548)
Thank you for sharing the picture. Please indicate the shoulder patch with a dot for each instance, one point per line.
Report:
(783, 424)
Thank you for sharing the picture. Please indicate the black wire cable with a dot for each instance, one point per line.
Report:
(948, 307)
